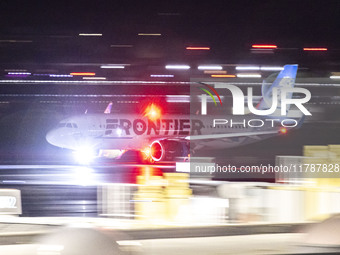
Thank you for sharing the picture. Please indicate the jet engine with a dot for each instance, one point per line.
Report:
(168, 149)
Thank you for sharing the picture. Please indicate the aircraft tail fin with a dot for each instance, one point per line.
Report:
(285, 79)
(108, 108)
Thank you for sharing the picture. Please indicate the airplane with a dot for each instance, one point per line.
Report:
(167, 137)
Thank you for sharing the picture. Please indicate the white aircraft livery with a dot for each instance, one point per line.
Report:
(166, 137)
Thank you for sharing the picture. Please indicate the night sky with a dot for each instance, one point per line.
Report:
(226, 26)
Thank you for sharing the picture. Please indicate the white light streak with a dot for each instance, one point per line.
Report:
(85, 34)
(113, 66)
(207, 67)
(253, 75)
(178, 67)
(162, 75)
(271, 68)
(247, 68)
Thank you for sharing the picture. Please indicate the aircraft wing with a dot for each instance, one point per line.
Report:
(229, 135)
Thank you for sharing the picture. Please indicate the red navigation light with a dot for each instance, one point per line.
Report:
(283, 130)
(264, 46)
(315, 49)
(152, 112)
(197, 48)
(83, 74)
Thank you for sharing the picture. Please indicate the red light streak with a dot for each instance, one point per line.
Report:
(83, 74)
(264, 46)
(197, 48)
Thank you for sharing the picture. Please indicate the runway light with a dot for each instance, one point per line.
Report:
(335, 77)
(248, 75)
(247, 68)
(215, 71)
(113, 66)
(82, 74)
(85, 34)
(60, 75)
(94, 78)
(315, 49)
(161, 75)
(283, 130)
(178, 67)
(271, 68)
(152, 112)
(223, 76)
(197, 48)
(18, 73)
(264, 46)
(209, 67)
(147, 34)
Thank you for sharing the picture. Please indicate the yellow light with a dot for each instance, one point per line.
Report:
(223, 76)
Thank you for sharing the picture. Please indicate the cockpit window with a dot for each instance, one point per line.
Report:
(69, 125)
(74, 125)
(60, 125)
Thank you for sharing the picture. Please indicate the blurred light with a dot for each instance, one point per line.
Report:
(264, 46)
(247, 68)
(101, 82)
(15, 70)
(84, 155)
(119, 131)
(181, 67)
(183, 167)
(147, 152)
(16, 41)
(129, 243)
(315, 49)
(271, 68)
(146, 34)
(223, 75)
(83, 74)
(94, 78)
(152, 112)
(60, 75)
(283, 130)
(262, 51)
(113, 66)
(197, 48)
(248, 75)
(162, 75)
(18, 73)
(50, 249)
(335, 77)
(121, 45)
(209, 67)
(84, 176)
(215, 72)
(84, 34)
(177, 98)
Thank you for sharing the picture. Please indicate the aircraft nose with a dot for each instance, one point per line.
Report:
(51, 137)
